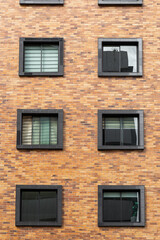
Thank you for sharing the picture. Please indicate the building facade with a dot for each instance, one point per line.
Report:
(72, 74)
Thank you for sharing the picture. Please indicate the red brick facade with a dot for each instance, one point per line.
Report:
(79, 167)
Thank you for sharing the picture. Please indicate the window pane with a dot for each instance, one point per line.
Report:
(29, 206)
(53, 135)
(49, 58)
(111, 207)
(110, 61)
(36, 130)
(48, 206)
(27, 130)
(128, 58)
(111, 131)
(130, 206)
(32, 58)
(45, 128)
(130, 131)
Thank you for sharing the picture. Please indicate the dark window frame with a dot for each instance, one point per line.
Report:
(122, 113)
(20, 188)
(139, 188)
(102, 41)
(58, 112)
(23, 41)
(119, 2)
(40, 2)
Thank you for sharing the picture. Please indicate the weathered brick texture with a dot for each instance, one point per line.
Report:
(80, 168)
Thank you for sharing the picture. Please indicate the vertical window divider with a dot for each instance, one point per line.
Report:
(119, 58)
(121, 131)
(121, 204)
(38, 206)
(41, 57)
(49, 130)
(32, 131)
(40, 120)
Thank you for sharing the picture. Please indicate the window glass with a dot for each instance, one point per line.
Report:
(130, 131)
(119, 59)
(111, 131)
(40, 57)
(121, 206)
(128, 58)
(39, 130)
(48, 206)
(38, 206)
(29, 206)
(120, 131)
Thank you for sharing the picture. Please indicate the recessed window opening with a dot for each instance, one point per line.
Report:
(120, 58)
(121, 206)
(118, 130)
(41, 57)
(38, 206)
(37, 130)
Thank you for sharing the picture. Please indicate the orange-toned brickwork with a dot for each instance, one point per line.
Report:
(79, 167)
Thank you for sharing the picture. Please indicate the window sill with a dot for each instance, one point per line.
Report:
(47, 74)
(123, 74)
(38, 224)
(120, 224)
(103, 147)
(34, 147)
(102, 2)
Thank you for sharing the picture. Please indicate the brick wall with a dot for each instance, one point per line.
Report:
(80, 167)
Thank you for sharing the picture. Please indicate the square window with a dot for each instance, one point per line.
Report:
(39, 129)
(38, 205)
(41, 57)
(50, 2)
(120, 2)
(121, 206)
(120, 129)
(119, 57)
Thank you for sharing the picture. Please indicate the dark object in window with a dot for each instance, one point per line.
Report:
(50, 2)
(119, 57)
(41, 57)
(120, 129)
(39, 129)
(121, 206)
(38, 205)
(120, 2)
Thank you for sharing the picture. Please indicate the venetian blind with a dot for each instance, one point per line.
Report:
(41, 57)
(39, 130)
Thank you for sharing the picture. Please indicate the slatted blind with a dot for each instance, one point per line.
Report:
(39, 130)
(41, 57)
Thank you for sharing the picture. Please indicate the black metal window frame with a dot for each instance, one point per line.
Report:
(120, 2)
(122, 113)
(104, 41)
(20, 188)
(139, 188)
(40, 2)
(41, 112)
(23, 41)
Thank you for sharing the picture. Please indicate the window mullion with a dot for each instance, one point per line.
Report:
(119, 58)
(121, 204)
(39, 130)
(38, 206)
(32, 131)
(49, 130)
(41, 57)
(121, 131)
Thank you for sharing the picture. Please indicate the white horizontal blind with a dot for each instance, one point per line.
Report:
(41, 57)
(39, 130)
